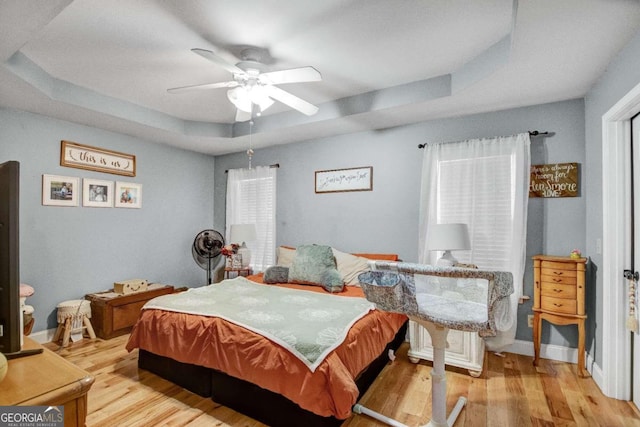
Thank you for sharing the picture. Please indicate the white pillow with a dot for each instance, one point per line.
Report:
(285, 256)
(349, 266)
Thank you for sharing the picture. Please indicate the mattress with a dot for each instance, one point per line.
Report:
(218, 344)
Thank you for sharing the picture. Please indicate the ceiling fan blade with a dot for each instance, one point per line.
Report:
(292, 75)
(207, 54)
(206, 86)
(291, 100)
(242, 116)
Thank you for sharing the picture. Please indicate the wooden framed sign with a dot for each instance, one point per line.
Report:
(81, 156)
(554, 180)
(337, 180)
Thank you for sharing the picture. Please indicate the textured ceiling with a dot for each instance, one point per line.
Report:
(109, 63)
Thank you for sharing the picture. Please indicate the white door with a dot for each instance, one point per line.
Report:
(635, 145)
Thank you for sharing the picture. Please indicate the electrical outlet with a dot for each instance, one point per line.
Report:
(530, 320)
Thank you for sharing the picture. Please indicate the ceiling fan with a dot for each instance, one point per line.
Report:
(252, 90)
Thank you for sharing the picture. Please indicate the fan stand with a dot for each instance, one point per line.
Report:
(438, 384)
(206, 249)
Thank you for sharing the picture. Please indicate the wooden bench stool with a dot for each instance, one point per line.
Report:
(73, 317)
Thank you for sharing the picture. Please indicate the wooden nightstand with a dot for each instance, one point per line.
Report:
(558, 297)
(115, 314)
(238, 272)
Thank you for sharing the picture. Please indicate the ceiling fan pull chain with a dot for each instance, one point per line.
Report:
(250, 150)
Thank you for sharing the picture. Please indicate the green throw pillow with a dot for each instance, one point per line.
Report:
(276, 274)
(316, 265)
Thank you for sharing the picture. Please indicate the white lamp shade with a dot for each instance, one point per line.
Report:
(242, 233)
(448, 237)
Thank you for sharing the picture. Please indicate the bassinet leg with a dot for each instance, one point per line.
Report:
(439, 379)
(438, 385)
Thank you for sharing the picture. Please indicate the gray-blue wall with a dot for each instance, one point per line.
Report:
(67, 252)
(622, 75)
(386, 219)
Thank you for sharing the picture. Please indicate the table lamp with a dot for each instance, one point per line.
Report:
(447, 238)
(243, 233)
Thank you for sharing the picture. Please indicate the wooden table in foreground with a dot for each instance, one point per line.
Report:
(47, 379)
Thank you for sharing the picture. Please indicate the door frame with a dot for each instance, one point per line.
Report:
(616, 256)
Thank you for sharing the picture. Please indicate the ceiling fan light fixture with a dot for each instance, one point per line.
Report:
(240, 98)
(259, 96)
(244, 96)
(252, 87)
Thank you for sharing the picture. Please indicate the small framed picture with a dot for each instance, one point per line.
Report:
(128, 195)
(60, 190)
(97, 193)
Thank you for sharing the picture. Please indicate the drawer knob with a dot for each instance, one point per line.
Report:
(558, 273)
(557, 291)
(557, 305)
(557, 280)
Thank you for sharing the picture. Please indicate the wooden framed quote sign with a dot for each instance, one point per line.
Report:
(554, 180)
(82, 156)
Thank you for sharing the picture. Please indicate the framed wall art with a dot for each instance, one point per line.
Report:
(554, 180)
(60, 190)
(97, 193)
(128, 195)
(82, 156)
(338, 180)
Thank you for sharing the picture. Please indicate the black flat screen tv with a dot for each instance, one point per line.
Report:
(10, 312)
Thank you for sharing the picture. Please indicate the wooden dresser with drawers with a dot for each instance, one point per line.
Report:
(558, 297)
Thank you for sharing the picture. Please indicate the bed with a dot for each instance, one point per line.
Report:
(242, 369)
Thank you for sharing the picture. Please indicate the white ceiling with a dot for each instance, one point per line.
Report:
(108, 63)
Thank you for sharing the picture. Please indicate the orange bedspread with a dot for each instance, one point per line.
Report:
(218, 344)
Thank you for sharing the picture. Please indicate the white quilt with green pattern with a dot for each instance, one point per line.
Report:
(309, 324)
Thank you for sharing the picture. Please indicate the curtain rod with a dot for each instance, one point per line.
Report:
(275, 165)
(531, 133)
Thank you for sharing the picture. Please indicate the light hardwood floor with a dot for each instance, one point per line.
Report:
(511, 392)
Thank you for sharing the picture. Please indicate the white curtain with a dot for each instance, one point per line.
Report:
(251, 199)
(483, 183)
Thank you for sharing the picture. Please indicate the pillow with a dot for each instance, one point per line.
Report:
(315, 265)
(349, 266)
(276, 274)
(285, 256)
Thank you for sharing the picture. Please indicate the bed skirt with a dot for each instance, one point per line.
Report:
(249, 399)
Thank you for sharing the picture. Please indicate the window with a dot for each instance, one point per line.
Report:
(485, 204)
(251, 199)
(483, 183)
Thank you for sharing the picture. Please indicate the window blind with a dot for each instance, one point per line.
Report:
(251, 199)
(485, 204)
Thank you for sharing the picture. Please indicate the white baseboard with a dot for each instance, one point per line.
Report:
(43, 336)
(559, 353)
(547, 351)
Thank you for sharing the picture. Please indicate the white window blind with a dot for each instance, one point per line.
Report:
(484, 202)
(251, 199)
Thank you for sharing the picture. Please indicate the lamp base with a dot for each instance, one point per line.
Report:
(246, 255)
(446, 260)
